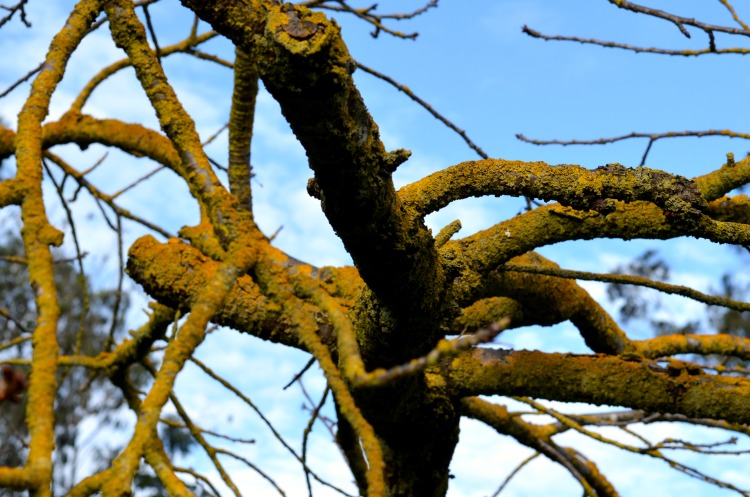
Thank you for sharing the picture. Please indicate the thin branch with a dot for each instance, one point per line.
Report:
(637, 49)
(21, 80)
(730, 8)
(651, 136)
(426, 106)
(20, 7)
(515, 472)
(152, 33)
(679, 21)
(632, 280)
(368, 15)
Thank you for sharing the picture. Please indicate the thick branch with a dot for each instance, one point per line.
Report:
(174, 273)
(570, 185)
(601, 380)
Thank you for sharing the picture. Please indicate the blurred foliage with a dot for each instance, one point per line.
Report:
(638, 303)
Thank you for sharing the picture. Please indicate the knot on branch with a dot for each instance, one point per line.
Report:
(679, 197)
(298, 29)
(313, 189)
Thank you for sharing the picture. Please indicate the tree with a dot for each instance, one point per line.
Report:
(380, 331)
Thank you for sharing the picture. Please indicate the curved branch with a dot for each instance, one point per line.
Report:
(570, 185)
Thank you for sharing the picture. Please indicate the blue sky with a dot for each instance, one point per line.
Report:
(474, 65)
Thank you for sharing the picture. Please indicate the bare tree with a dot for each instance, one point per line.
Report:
(397, 336)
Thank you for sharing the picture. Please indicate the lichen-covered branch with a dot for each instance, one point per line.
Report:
(241, 128)
(570, 185)
(306, 66)
(38, 234)
(601, 380)
(161, 269)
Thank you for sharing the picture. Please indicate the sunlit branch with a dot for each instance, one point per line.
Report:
(89, 485)
(129, 34)
(719, 182)
(178, 351)
(352, 168)
(487, 249)
(85, 297)
(736, 209)
(161, 269)
(10, 193)
(15, 478)
(153, 450)
(17, 340)
(157, 458)
(131, 350)
(348, 408)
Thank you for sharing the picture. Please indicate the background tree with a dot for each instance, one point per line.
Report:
(380, 331)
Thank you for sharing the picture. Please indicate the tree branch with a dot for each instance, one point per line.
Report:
(600, 380)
